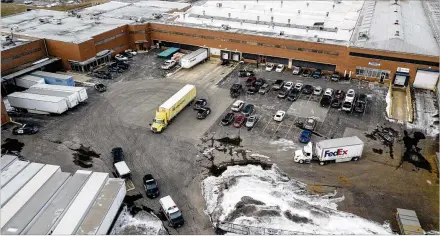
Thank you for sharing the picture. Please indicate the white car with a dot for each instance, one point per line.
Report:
(328, 92)
(168, 64)
(119, 57)
(279, 116)
(279, 68)
(296, 70)
(269, 67)
(238, 105)
(318, 90)
(134, 53)
(349, 97)
(299, 86)
(28, 2)
(288, 85)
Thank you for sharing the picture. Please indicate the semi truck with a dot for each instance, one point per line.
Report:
(36, 103)
(173, 106)
(81, 92)
(28, 80)
(53, 78)
(71, 98)
(331, 150)
(194, 58)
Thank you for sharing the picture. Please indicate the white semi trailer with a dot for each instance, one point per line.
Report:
(28, 81)
(71, 98)
(194, 58)
(80, 91)
(36, 103)
(331, 150)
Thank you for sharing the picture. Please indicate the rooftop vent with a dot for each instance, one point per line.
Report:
(326, 14)
(316, 36)
(281, 32)
(229, 15)
(271, 19)
(204, 12)
(258, 18)
(307, 4)
(157, 15)
(299, 11)
(396, 2)
(271, 9)
(59, 22)
(244, 7)
(396, 22)
(318, 24)
(397, 33)
(219, 5)
(281, 3)
(226, 27)
(288, 21)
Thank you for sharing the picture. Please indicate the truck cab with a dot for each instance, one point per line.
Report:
(160, 122)
(304, 155)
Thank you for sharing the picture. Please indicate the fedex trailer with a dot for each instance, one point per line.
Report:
(331, 150)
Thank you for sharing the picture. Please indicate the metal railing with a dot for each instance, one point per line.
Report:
(253, 230)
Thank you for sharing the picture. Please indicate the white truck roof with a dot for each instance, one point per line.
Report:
(81, 205)
(347, 141)
(11, 171)
(122, 168)
(176, 97)
(168, 204)
(22, 197)
(37, 97)
(195, 53)
(48, 92)
(59, 87)
(6, 160)
(51, 75)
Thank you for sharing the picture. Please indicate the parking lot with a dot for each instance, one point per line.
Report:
(373, 187)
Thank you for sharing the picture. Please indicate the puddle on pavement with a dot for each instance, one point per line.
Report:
(378, 151)
(12, 146)
(232, 141)
(386, 135)
(83, 156)
(413, 153)
(217, 170)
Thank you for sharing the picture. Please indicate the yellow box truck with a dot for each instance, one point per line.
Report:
(172, 107)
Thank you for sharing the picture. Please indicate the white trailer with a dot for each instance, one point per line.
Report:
(49, 217)
(71, 98)
(35, 103)
(31, 209)
(9, 172)
(194, 58)
(22, 197)
(100, 217)
(14, 185)
(28, 81)
(81, 205)
(80, 91)
(331, 150)
(7, 160)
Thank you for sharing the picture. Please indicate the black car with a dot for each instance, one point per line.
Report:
(248, 109)
(228, 119)
(102, 75)
(245, 73)
(118, 154)
(306, 73)
(151, 186)
(127, 54)
(26, 129)
(362, 98)
(293, 95)
(236, 90)
(203, 113)
(335, 77)
(251, 81)
(307, 89)
(278, 84)
(336, 102)
(122, 64)
(100, 87)
(340, 94)
(359, 107)
(200, 103)
(283, 93)
(259, 82)
(325, 101)
(252, 90)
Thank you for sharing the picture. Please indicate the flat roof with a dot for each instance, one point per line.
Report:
(330, 21)
(7, 160)
(29, 69)
(9, 42)
(402, 27)
(12, 170)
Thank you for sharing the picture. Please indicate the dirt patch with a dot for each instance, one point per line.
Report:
(12, 146)
(249, 200)
(248, 206)
(296, 218)
(83, 156)
(344, 181)
(378, 151)
(413, 153)
(386, 135)
(232, 141)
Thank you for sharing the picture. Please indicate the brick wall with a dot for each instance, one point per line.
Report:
(25, 53)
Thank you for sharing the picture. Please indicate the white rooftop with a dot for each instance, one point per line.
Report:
(402, 27)
(337, 19)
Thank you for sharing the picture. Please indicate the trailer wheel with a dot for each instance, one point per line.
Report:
(355, 159)
(301, 161)
(321, 163)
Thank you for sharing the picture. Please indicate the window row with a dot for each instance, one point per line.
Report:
(110, 38)
(419, 62)
(372, 73)
(6, 60)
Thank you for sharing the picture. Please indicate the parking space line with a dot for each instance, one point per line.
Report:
(262, 132)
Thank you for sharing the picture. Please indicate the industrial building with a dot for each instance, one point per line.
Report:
(39, 199)
(387, 41)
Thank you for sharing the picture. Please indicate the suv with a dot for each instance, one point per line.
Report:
(335, 77)
(317, 73)
(293, 95)
(264, 89)
(245, 73)
(259, 82)
(236, 90)
(168, 64)
(278, 84)
(283, 93)
(118, 154)
(251, 81)
(361, 103)
(347, 106)
(296, 70)
(151, 186)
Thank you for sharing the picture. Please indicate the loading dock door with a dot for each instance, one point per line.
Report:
(426, 79)
(314, 65)
(277, 60)
(236, 56)
(225, 55)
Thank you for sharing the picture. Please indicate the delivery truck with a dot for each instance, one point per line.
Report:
(194, 58)
(71, 98)
(36, 103)
(28, 81)
(331, 150)
(171, 212)
(53, 78)
(123, 172)
(173, 106)
(80, 91)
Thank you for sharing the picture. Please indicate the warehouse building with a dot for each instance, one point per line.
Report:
(40, 199)
(388, 41)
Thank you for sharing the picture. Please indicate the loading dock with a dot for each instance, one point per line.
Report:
(226, 55)
(314, 65)
(426, 79)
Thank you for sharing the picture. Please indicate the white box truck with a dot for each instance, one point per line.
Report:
(80, 91)
(71, 98)
(331, 150)
(194, 58)
(171, 212)
(123, 172)
(36, 103)
(28, 81)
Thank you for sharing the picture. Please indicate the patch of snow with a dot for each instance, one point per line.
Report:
(252, 197)
(388, 100)
(425, 111)
(259, 156)
(433, 232)
(142, 223)
(285, 145)
(429, 182)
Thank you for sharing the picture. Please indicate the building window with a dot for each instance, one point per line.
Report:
(6, 60)
(372, 73)
(419, 62)
(110, 38)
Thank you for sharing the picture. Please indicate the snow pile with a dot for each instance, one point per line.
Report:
(251, 196)
(285, 145)
(388, 100)
(426, 113)
(141, 223)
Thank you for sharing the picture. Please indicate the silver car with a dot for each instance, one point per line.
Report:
(310, 124)
(251, 121)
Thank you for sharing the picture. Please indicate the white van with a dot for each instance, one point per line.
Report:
(171, 212)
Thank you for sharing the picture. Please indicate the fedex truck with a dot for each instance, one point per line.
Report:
(331, 150)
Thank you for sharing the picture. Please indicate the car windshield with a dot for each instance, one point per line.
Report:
(236, 104)
(159, 121)
(176, 215)
(247, 108)
(347, 104)
(280, 66)
(151, 186)
(251, 119)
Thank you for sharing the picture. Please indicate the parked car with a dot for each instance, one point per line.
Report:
(251, 81)
(102, 75)
(151, 186)
(293, 94)
(306, 73)
(288, 85)
(123, 65)
(248, 109)
(26, 129)
(168, 64)
(347, 106)
(307, 89)
(328, 92)
(351, 94)
(299, 86)
(359, 107)
(260, 82)
(340, 94)
(335, 77)
(283, 93)
(200, 103)
(317, 91)
(126, 54)
(246, 73)
(228, 119)
(252, 89)
(269, 67)
(239, 120)
(279, 116)
(310, 124)
(305, 136)
(264, 89)
(296, 70)
(120, 57)
(278, 84)
(28, 2)
(317, 73)
(118, 154)
(280, 68)
(203, 112)
(100, 87)
(336, 102)
(362, 98)
(237, 105)
(235, 90)
(251, 121)
(134, 53)
(325, 101)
